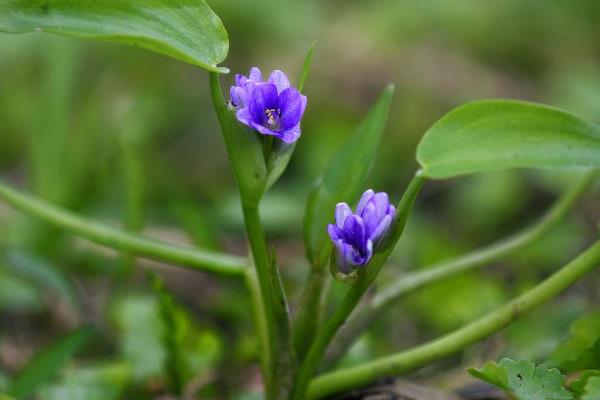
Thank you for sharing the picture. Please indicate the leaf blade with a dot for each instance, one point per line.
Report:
(187, 30)
(499, 134)
(47, 362)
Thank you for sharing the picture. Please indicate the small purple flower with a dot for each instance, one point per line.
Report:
(356, 236)
(272, 107)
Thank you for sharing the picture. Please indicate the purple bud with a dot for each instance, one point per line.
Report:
(269, 107)
(356, 236)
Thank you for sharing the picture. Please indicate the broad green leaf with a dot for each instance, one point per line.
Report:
(344, 177)
(187, 30)
(523, 380)
(582, 350)
(47, 363)
(500, 134)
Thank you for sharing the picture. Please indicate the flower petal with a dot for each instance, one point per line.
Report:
(255, 75)
(280, 80)
(334, 232)
(382, 204)
(239, 96)
(263, 96)
(354, 229)
(370, 217)
(240, 80)
(263, 130)
(367, 195)
(381, 229)
(345, 256)
(342, 210)
(290, 103)
(243, 115)
(290, 135)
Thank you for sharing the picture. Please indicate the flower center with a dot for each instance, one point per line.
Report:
(273, 115)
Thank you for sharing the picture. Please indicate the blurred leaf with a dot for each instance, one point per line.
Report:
(16, 294)
(579, 386)
(187, 30)
(97, 382)
(466, 298)
(582, 350)
(47, 362)
(306, 66)
(523, 380)
(139, 327)
(344, 177)
(45, 275)
(5, 397)
(499, 134)
(592, 389)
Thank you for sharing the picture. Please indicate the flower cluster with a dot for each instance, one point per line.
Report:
(271, 107)
(356, 236)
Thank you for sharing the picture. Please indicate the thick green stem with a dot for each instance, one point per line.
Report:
(413, 359)
(354, 293)
(117, 239)
(365, 314)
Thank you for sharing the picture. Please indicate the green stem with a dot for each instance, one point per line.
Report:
(260, 253)
(413, 359)
(365, 315)
(354, 293)
(260, 321)
(222, 264)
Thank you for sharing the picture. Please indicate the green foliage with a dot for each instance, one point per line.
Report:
(523, 380)
(344, 177)
(186, 30)
(582, 350)
(47, 363)
(500, 134)
(581, 389)
(94, 382)
(158, 339)
(139, 330)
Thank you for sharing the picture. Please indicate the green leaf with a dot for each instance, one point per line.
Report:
(500, 134)
(47, 362)
(523, 380)
(344, 177)
(582, 350)
(592, 389)
(139, 329)
(187, 30)
(90, 382)
(306, 66)
(579, 386)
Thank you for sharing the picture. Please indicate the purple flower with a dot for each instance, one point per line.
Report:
(356, 236)
(272, 107)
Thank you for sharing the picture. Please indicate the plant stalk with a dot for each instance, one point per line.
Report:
(420, 356)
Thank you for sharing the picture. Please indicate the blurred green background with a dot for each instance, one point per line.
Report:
(130, 137)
